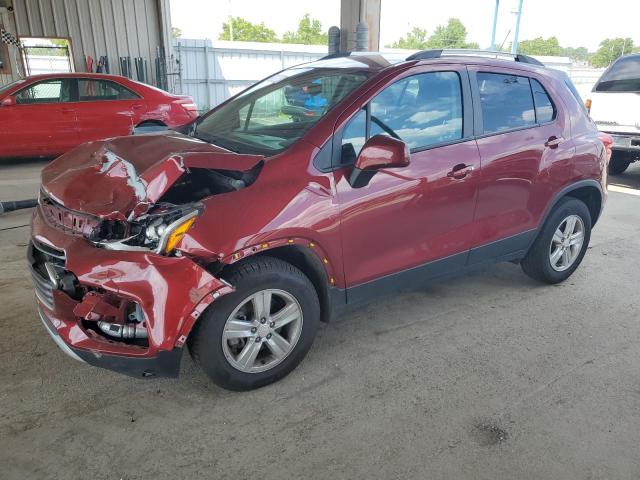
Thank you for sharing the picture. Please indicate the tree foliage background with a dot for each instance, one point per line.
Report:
(451, 35)
(309, 33)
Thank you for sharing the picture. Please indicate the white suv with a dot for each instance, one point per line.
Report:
(615, 107)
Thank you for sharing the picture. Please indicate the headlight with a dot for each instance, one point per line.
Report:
(159, 231)
(169, 235)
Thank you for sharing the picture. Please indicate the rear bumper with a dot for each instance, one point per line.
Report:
(625, 142)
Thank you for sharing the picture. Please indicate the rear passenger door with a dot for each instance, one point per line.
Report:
(520, 132)
(107, 109)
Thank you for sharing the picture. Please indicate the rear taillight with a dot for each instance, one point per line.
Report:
(607, 140)
(192, 107)
(188, 104)
(588, 105)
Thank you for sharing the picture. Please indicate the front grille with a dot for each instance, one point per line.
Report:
(70, 222)
(40, 254)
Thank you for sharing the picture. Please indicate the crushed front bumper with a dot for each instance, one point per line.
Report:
(165, 364)
(172, 292)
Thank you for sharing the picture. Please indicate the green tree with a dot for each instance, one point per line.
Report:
(416, 39)
(451, 35)
(309, 33)
(176, 32)
(610, 49)
(245, 31)
(540, 46)
(580, 54)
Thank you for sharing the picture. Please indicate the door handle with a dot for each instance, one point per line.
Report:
(553, 141)
(460, 171)
(137, 106)
(68, 110)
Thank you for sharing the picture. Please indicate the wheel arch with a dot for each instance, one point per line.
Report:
(151, 121)
(588, 191)
(309, 258)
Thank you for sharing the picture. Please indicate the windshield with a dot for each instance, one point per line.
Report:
(270, 116)
(622, 76)
(5, 88)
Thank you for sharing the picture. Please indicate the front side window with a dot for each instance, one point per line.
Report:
(506, 102)
(278, 111)
(99, 90)
(421, 110)
(49, 91)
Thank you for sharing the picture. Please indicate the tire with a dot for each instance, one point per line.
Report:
(538, 261)
(257, 279)
(619, 163)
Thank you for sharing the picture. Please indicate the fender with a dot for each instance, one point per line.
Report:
(283, 242)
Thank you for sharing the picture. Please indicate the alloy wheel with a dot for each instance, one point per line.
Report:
(262, 331)
(566, 243)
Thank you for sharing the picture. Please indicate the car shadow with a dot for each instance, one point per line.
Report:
(628, 179)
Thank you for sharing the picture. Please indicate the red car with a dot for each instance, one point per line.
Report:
(238, 236)
(47, 115)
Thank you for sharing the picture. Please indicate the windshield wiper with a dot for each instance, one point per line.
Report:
(217, 141)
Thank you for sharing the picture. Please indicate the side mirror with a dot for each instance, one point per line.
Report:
(8, 102)
(380, 151)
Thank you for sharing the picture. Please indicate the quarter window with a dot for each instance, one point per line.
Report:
(353, 137)
(506, 101)
(99, 90)
(545, 112)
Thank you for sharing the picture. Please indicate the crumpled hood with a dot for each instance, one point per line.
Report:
(122, 177)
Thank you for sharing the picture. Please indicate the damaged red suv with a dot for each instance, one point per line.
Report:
(322, 187)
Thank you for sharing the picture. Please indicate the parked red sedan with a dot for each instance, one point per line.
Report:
(47, 115)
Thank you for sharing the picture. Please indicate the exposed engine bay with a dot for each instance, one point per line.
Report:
(199, 183)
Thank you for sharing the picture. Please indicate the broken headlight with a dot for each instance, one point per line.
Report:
(158, 231)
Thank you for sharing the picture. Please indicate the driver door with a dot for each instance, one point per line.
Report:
(413, 223)
(43, 120)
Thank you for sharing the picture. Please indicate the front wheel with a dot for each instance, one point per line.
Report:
(561, 244)
(262, 331)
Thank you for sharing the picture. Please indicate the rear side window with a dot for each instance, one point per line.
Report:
(622, 76)
(99, 90)
(506, 100)
(545, 111)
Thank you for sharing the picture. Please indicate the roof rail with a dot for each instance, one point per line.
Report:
(448, 52)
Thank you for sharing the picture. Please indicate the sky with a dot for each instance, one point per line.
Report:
(574, 22)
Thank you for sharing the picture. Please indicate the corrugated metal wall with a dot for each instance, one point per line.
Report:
(211, 73)
(115, 28)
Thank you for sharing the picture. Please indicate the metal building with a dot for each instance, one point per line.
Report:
(134, 36)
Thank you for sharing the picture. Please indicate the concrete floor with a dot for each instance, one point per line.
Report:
(488, 376)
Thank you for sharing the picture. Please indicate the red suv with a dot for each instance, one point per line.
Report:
(323, 186)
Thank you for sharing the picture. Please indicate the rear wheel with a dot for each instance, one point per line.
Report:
(262, 331)
(561, 244)
(619, 162)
